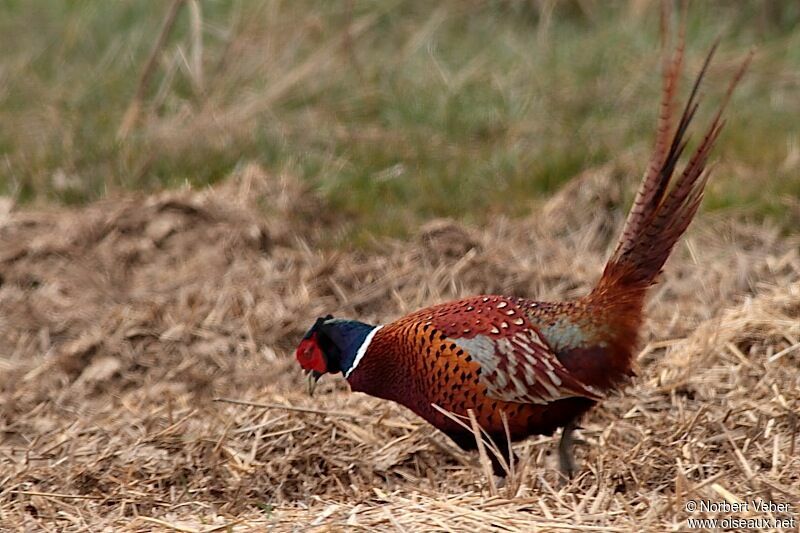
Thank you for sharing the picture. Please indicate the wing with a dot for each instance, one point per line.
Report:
(517, 364)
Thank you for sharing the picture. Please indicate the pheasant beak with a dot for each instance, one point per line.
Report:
(312, 376)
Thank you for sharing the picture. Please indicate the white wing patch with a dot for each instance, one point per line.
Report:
(482, 349)
(523, 369)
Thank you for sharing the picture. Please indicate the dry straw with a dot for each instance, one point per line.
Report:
(121, 322)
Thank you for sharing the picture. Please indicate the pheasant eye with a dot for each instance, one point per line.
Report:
(310, 354)
(305, 352)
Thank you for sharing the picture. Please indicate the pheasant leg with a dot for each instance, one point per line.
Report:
(565, 458)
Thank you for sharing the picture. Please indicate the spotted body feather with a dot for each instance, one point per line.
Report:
(482, 353)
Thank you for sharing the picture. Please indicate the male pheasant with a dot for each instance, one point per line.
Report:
(540, 366)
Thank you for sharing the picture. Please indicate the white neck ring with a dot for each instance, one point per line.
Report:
(362, 350)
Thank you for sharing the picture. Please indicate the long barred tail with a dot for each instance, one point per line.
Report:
(666, 202)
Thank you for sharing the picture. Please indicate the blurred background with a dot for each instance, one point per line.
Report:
(392, 111)
(322, 143)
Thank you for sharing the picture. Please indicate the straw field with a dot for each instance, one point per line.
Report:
(123, 321)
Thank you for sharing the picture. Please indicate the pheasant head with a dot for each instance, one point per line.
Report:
(333, 345)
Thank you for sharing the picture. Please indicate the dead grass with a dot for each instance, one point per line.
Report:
(121, 322)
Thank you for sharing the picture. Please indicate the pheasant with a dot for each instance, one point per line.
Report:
(526, 367)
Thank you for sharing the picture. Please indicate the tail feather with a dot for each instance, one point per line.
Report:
(665, 205)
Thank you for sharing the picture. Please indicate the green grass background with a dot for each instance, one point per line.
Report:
(395, 111)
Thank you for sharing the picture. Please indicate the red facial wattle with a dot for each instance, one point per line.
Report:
(310, 355)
